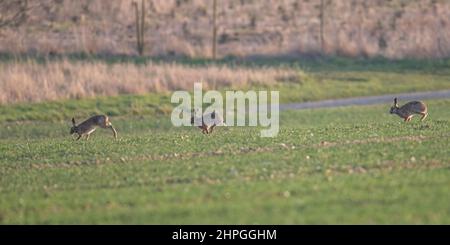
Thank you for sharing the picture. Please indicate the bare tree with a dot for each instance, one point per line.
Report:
(322, 24)
(140, 26)
(214, 30)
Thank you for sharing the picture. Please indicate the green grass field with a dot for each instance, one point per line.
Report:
(343, 165)
(327, 166)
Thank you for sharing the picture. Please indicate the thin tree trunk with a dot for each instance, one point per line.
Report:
(138, 32)
(142, 27)
(214, 31)
(322, 24)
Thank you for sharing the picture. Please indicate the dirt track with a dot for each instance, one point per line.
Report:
(370, 100)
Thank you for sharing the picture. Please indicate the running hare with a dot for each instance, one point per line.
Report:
(90, 125)
(407, 110)
(208, 121)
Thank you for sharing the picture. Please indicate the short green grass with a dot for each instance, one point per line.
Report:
(352, 165)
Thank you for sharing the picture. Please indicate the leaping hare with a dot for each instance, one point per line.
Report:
(208, 121)
(90, 125)
(409, 109)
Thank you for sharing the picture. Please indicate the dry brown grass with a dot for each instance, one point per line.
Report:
(34, 82)
(390, 28)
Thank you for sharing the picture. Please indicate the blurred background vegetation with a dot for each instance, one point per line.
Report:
(241, 28)
(309, 49)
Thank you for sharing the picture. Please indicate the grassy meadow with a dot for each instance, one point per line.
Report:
(348, 165)
(342, 165)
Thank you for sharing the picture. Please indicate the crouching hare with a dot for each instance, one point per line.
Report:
(90, 125)
(208, 121)
(407, 110)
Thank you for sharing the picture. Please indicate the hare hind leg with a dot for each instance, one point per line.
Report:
(89, 133)
(211, 128)
(204, 129)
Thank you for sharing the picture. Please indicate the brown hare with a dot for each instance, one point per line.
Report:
(90, 125)
(409, 109)
(208, 121)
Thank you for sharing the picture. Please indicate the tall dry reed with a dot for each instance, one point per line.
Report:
(33, 82)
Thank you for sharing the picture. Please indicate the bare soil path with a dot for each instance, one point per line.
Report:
(369, 100)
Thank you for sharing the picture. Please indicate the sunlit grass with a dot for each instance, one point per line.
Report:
(342, 165)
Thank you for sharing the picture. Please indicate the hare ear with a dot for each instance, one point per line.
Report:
(73, 121)
(395, 102)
